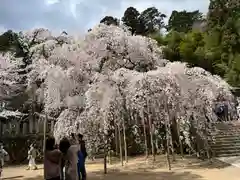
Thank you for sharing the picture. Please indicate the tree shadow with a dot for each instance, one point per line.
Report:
(194, 163)
(118, 175)
(188, 162)
(14, 177)
(165, 175)
(34, 178)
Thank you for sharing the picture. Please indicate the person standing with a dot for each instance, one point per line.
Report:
(52, 161)
(3, 157)
(73, 139)
(70, 152)
(32, 154)
(82, 154)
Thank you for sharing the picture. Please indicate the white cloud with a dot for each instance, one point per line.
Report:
(79, 15)
(2, 30)
(50, 2)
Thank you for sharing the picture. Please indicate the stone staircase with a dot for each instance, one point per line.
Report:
(226, 139)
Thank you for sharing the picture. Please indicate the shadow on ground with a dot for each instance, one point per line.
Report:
(147, 175)
(140, 169)
(188, 162)
(194, 163)
(34, 178)
(14, 177)
(22, 178)
(137, 176)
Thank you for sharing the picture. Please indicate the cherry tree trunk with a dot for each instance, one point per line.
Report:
(206, 139)
(151, 137)
(168, 132)
(145, 138)
(151, 133)
(145, 134)
(171, 145)
(105, 159)
(197, 139)
(125, 142)
(152, 142)
(168, 144)
(157, 146)
(179, 139)
(109, 157)
(120, 145)
(116, 139)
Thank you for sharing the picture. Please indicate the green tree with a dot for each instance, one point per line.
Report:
(109, 20)
(171, 50)
(151, 21)
(183, 21)
(131, 19)
(233, 73)
(160, 38)
(223, 23)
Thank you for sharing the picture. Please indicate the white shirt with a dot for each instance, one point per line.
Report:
(71, 158)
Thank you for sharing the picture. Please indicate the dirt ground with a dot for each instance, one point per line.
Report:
(139, 169)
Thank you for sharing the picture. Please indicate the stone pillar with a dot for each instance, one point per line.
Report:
(10, 124)
(40, 125)
(17, 124)
(37, 126)
(4, 127)
(34, 125)
(52, 126)
(30, 125)
(47, 126)
(0, 128)
(7, 128)
(25, 126)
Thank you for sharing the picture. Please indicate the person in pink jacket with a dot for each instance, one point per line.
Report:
(52, 161)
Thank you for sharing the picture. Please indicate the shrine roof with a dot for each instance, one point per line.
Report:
(5, 114)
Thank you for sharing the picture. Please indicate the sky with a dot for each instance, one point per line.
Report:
(79, 15)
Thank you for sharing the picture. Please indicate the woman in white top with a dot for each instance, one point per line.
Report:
(70, 153)
(3, 156)
(32, 154)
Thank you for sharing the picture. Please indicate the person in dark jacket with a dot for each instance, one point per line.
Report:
(82, 154)
(82, 143)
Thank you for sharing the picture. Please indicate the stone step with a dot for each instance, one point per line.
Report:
(226, 129)
(230, 138)
(227, 151)
(226, 143)
(222, 137)
(227, 155)
(223, 143)
(225, 132)
(228, 126)
(226, 137)
(225, 147)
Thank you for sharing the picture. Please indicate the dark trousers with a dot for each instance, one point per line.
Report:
(82, 172)
(56, 178)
